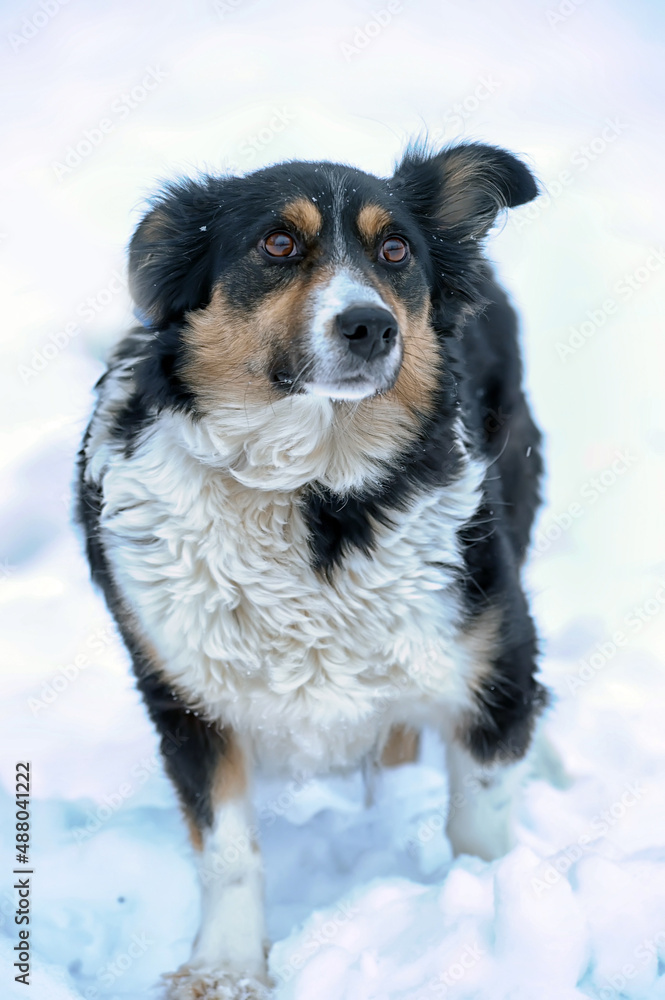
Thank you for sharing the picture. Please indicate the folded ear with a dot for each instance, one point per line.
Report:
(463, 188)
(171, 255)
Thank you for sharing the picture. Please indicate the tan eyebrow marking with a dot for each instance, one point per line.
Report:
(372, 220)
(304, 215)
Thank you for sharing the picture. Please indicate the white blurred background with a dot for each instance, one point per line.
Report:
(102, 102)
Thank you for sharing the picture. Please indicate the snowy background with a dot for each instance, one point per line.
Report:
(100, 102)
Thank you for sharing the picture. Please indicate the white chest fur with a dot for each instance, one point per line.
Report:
(218, 574)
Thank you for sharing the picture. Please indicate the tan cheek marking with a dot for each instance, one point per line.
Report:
(419, 375)
(304, 215)
(401, 747)
(222, 349)
(372, 220)
(229, 349)
(281, 316)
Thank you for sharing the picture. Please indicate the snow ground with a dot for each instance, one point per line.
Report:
(362, 904)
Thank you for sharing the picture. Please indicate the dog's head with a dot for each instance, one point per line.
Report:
(319, 279)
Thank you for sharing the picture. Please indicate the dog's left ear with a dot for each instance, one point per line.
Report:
(171, 255)
(462, 189)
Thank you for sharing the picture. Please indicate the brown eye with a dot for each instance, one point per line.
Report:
(279, 245)
(394, 250)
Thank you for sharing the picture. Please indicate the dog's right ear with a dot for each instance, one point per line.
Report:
(172, 258)
(460, 190)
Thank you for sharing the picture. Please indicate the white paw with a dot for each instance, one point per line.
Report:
(190, 983)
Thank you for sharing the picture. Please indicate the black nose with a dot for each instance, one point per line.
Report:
(369, 332)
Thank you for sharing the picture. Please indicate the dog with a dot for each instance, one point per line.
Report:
(307, 491)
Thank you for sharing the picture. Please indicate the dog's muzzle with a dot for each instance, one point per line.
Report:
(355, 341)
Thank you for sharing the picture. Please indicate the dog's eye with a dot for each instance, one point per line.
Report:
(280, 244)
(394, 250)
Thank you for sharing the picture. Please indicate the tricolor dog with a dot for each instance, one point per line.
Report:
(307, 490)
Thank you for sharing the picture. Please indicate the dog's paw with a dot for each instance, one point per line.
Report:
(191, 983)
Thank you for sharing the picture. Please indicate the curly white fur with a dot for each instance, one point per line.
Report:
(208, 544)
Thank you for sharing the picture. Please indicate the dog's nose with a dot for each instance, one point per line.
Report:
(368, 332)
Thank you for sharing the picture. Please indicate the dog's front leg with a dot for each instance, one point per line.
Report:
(487, 746)
(210, 771)
(483, 797)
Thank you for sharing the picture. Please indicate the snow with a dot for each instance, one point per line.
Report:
(362, 903)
